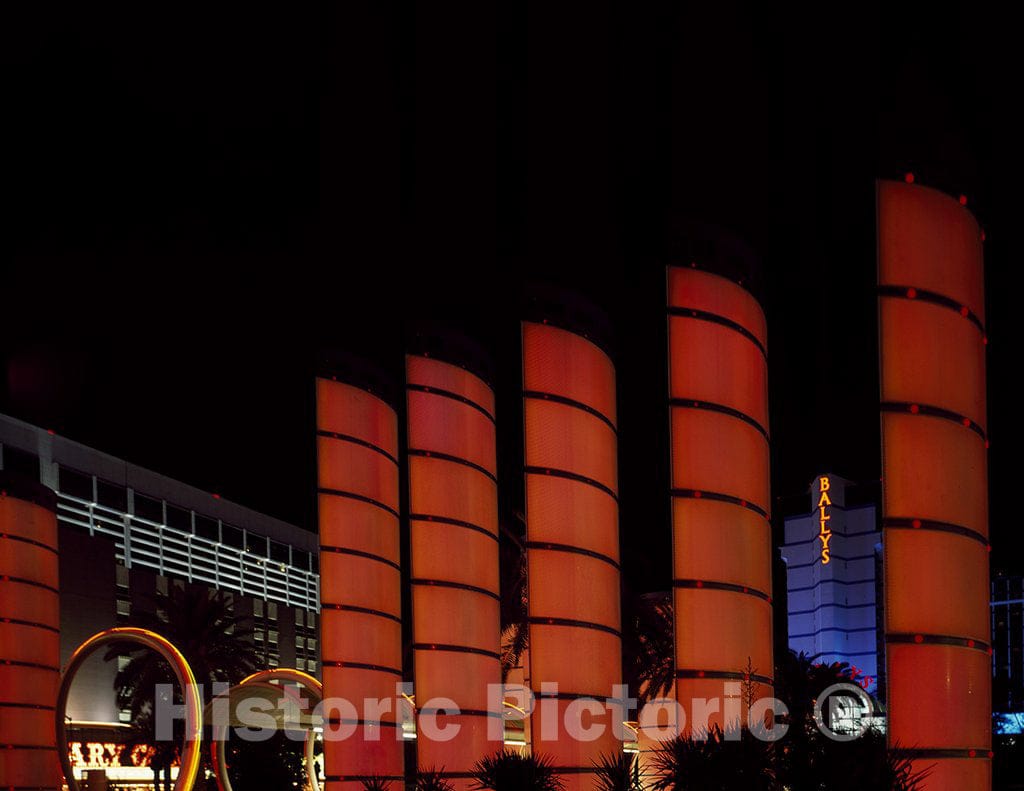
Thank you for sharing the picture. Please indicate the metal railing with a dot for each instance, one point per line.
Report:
(175, 553)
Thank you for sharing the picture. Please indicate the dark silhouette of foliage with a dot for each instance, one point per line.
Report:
(512, 771)
(733, 760)
(617, 772)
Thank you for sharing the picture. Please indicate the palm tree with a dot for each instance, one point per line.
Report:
(515, 631)
(733, 760)
(214, 641)
(512, 771)
(648, 645)
(618, 772)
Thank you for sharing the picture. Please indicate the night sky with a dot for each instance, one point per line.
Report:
(203, 196)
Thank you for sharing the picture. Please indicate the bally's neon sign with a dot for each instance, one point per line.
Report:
(824, 517)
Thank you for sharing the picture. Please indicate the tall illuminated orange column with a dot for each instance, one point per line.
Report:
(453, 517)
(935, 490)
(360, 581)
(29, 635)
(572, 531)
(721, 535)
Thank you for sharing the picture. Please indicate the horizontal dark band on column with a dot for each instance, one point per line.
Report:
(456, 585)
(697, 494)
(722, 586)
(933, 411)
(907, 523)
(357, 441)
(938, 639)
(449, 394)
(456, 649)
(430, 454)
(941, 752)
(714, 318)
(363, 610)
(442, 711)
(539, 695)
(538, 395)
(572, 476)
(545, 545)
(34, 706)
(32, 541)
(687, 403)
(34, 665)
(36, 747)
(33, 583)
(362, 723)
(361, 497)
(932, 297)
(391, 671)
(723, 675)
(361, 778)
(600, 627)
(455, 775)
(33, 624)
(360, 554)
(455, 522)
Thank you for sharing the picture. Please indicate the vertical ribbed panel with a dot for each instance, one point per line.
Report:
(360, 578)
(720, 489)
(935, 495)
(29, 635)
(573, 537)
(453, 518)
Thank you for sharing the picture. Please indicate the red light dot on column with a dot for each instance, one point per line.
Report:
(988, 548)
(700, 584)
(970, 644)
(967, 422)
(983, 236)
(911, 293)
(972, 753)
(991, 754)
(693, 265)
(700, 674)
(915, 524)
(909, 178)
(746, 589)
(914, 409)
(697, 495)
(986, 444)
(743, 503)
(918, 638)
(965, 312)
(984, 340)
(963, 200)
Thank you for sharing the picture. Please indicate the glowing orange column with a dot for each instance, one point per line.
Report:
(360, 581)
(572, 531)
(935, 491)
(722, 556)
(453, 518)
(29, 635)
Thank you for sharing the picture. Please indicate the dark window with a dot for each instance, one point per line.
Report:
(21, 462)
(112, 495)
(300, 559)
(207, 528)
(314, 562)
(148, 508)
(76, 484)
(279, 552)
(179, 518)
(256, 544)
(232, 536)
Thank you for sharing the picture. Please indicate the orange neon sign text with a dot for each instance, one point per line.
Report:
(104, 755)
(824, 517)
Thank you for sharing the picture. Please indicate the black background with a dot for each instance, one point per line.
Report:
(203, 195)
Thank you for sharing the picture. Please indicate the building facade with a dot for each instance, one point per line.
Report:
(1008, 651)
(833, 556)
(127, 534)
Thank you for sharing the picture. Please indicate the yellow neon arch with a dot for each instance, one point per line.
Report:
(193, 702)
(304, 680)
